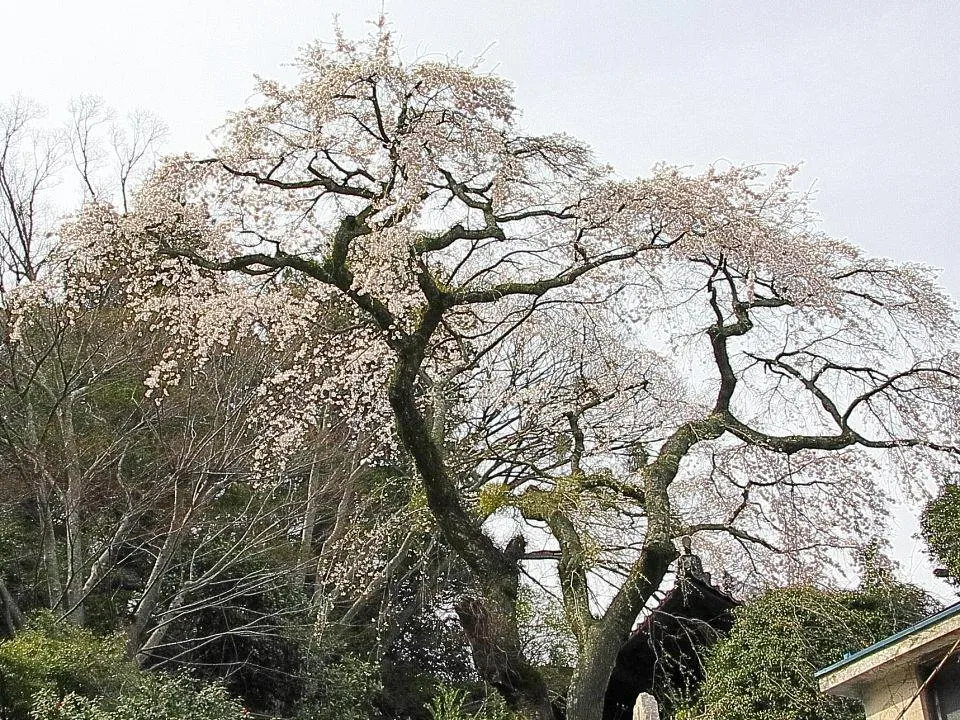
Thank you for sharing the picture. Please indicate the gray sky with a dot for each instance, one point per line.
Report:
(865, 94)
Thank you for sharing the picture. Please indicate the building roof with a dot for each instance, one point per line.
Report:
(662, 654)
(910, 644)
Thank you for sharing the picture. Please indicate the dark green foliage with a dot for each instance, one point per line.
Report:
(250, 645)
(342, 688)
(19, 562)
(940, 526)
(256, 642)
(764, 670)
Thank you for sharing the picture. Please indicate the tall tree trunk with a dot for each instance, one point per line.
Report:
(150, 641)
(48, 546)
(490, 625)
(588, 685)
(305, 555)
(73, 520)
(489, 620)
(144, 611)
(341, 524)
(48, 538)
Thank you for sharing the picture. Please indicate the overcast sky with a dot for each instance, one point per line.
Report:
(865, 94)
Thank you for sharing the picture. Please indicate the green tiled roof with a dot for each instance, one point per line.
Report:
(886, 642)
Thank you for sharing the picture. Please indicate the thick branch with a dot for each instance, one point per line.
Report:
(539, 287)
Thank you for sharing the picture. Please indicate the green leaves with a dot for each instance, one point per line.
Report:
(58, 658)
(940, 526)
(345, 689)
(764, 670)
(158, 697)
(450, 703)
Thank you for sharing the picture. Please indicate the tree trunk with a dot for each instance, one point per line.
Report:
(588, 686)
(72, 516)
(305, 554)
(591, 676)
(48, 538)
(502, 663)
(48, 543)
(12, 617)
(147, 642)
(340, 526)
(144, 611)
(489, 621)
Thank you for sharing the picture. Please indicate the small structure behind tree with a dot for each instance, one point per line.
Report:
(662, 657)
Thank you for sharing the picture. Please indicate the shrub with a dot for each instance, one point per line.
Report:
(940, 526)
(343, 689)
(764, 669)
(53, 670)
(155, 697)
(58, 658)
